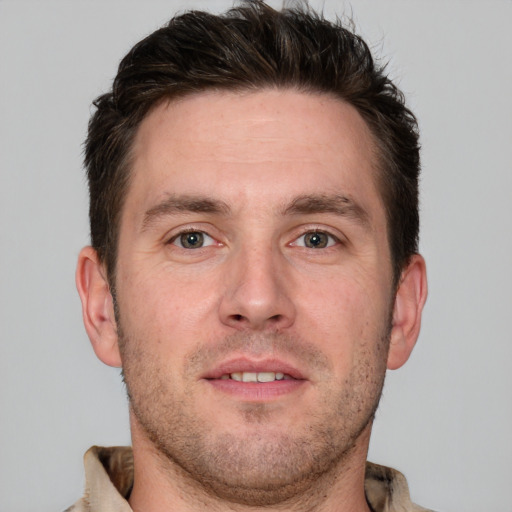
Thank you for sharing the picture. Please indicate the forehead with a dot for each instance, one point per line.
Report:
(222, 142)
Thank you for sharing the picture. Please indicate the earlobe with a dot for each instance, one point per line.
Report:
(410, 299)
(97, 307)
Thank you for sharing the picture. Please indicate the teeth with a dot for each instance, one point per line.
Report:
(266, 377)
(255, 377)
(249, 377)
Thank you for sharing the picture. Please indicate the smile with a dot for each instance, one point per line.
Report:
(256, 381)
(256, 376)
(242, 369)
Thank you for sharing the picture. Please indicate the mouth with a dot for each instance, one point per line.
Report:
(242, 369)
(255, 381)
(256, 376)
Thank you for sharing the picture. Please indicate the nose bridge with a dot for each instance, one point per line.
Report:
(256, 292)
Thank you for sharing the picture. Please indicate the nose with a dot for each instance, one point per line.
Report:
(257, 292)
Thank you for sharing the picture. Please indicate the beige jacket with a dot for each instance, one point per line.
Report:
(109, 479)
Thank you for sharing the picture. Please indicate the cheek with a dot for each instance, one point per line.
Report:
(349, 318)
(161, 306)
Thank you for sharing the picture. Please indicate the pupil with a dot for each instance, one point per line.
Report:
(316, 240)
(192, 240)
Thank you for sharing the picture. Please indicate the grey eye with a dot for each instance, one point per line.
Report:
(316, 240)
(193, 240)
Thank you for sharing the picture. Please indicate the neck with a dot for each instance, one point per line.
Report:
(161, 484)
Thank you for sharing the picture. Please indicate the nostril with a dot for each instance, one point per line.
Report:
(239, 319)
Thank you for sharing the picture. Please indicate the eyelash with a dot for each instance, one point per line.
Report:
(331, 241)
(177, 236)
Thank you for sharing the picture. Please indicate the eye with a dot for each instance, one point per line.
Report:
(315, 240)
(192, 240)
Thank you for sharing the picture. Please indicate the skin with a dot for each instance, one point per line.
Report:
(260, 176)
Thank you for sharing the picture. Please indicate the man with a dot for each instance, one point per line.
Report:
(254, 270)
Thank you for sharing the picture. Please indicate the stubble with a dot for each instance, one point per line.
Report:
(264, 466)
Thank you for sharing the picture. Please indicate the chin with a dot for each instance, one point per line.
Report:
(258, 464)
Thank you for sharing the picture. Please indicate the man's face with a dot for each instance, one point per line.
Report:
(253, 246)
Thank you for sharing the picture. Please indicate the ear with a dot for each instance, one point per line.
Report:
(97, 307)
(409, 301)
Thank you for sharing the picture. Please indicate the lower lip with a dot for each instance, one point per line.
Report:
(256, 391)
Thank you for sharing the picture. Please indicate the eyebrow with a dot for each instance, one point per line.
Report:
(175, 205)
(321, 203)
(340, 205)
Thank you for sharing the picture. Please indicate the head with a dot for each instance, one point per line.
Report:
(253, 184)
(249, 48)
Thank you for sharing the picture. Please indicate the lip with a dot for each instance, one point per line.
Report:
(243, 364)
(255, 392)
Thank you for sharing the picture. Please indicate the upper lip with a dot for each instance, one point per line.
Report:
(243, 364)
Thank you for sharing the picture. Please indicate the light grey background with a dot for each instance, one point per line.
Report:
(445, 419)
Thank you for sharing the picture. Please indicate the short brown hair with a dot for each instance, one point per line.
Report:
(251, 47)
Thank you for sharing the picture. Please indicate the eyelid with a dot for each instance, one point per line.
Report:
(207, 240)
(337, 239)
(171, 239)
